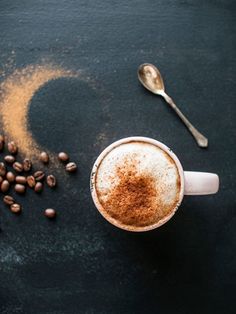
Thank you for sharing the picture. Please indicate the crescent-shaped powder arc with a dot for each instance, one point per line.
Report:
(16, 93)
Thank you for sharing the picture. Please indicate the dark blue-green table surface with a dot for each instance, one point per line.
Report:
(80, 263)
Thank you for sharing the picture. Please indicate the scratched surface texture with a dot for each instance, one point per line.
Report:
(79, 263)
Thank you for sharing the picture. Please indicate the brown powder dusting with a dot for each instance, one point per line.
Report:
(16, 93)
(135, 201)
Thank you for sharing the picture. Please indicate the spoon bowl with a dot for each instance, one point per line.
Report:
(151, 78)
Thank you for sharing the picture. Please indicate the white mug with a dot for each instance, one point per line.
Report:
(192, 182)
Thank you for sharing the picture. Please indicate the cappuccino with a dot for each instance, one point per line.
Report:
(138, 184)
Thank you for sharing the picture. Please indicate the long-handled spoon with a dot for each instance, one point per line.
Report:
(150, 77)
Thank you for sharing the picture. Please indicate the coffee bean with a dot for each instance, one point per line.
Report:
(50, 213)
(18, 166)
(44, 157)
(9, 200)
(1, 179)
(5, 186)
(71, 167)
(20, 188)
(2, 169)
(39, 175)
(12, 148)
(38, 187)
(31, 181)
(63, 156)
(9, 159)
(20, 179)
(15, 208)
(51, 181)
(10, 176)
(2, 140)
(27, 164)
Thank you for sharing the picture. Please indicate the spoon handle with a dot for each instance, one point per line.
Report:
(201, 140)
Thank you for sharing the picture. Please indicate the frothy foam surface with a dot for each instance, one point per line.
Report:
(137, 184)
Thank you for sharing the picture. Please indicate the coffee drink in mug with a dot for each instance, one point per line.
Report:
(138, 183)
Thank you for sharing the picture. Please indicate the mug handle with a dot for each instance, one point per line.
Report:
(200, 183)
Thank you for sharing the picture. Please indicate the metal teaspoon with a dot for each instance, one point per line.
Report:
(150, 77)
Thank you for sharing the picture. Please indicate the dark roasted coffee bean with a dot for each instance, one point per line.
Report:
(50, 213)
(44, 157)
(38, 187)
(51, 181)
(39, 175)
(17, 166)
(9, 159)
(20, 179)
(63, 156)
(12, 148)
(27, 164)
(9, 200)
(20, 188)
(15, 208)
(5, 186)
(31, 181)
(1, 146)
(1, 179)
(71, 167)
(2, 169)
(10, 176)
(2, 140)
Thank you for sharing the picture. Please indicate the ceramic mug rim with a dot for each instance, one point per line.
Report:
(105, 152)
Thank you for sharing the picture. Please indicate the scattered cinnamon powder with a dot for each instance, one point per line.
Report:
(136, 199)
(16, 93)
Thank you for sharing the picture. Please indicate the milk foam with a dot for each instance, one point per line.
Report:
(146, 159)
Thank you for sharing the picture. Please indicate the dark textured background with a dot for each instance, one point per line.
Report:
(80, 263)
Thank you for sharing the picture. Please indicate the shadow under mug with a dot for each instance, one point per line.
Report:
(191, 182)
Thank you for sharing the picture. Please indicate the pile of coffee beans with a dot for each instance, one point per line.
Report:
(20, 175)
